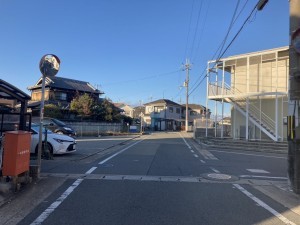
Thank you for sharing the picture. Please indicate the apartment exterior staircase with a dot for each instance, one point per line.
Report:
(255, 115)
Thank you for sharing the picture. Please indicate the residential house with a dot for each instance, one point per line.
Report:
(163, 114)
(256, 86)
(195, 112)
(127, 110)
(60, 91)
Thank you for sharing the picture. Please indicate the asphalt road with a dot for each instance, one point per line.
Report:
(163, 178)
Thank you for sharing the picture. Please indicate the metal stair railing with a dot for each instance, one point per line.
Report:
(258, 117)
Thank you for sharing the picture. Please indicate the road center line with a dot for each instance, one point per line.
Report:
(196, 155)
(123, 150)
(264, 205)
(202, 161)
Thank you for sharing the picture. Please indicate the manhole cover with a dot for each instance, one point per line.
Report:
(219, 176)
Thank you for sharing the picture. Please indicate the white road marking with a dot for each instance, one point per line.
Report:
(257, 155)
(202, 161)
(207, 155)
(215, 170)
(123, 150)
(91, 170)
(265, 177)
(185, 141)
(55, 204)
(196, 155)
(102, 139)
(257, 171)
(192, 151)
(264, 205)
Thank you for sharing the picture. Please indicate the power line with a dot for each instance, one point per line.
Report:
(188, 36)
(222, 54)
(143, 78)
(196, 31)
(224, 40)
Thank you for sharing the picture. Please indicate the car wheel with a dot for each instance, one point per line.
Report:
(59, 132)
(49, 147)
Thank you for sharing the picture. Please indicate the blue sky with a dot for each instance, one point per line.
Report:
(132, 50)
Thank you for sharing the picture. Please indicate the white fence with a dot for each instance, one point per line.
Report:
(203, 127)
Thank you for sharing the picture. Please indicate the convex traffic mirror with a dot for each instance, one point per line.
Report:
(49, 65)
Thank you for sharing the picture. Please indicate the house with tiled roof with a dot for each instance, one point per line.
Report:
(61, 91)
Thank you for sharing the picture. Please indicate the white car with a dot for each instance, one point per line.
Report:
(56, 143)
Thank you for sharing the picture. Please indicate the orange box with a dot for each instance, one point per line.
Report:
(16, 157)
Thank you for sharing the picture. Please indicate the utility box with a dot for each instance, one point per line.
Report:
(16, 157)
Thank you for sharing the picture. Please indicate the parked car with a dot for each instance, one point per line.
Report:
(56, 126)
(56, 143)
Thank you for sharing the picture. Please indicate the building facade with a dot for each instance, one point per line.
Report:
(256, 87)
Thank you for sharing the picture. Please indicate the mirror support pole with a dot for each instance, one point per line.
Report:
(39, 155)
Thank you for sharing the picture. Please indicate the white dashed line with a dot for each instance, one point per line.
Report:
(196, 155)
(91, 170)
(215, 170)
(202, 161)
(192, 151)
(185, 141)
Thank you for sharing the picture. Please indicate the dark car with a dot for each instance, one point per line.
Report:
(56, 126)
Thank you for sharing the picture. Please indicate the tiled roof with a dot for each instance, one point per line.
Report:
(66, 83)
(163, 101)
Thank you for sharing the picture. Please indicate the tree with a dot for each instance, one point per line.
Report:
(83, 105)
(51, 110)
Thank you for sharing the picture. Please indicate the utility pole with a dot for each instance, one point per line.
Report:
(186, 84)
(294, 97)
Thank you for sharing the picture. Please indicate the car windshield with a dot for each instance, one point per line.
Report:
(36, 128)
(58, 122)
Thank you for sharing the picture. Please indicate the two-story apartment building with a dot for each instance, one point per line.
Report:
(256, 87)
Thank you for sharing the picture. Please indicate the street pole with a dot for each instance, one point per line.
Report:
(187, 69)
(294, 97)
(39, 155)
(49, 66)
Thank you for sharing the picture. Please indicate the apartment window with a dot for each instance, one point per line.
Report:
(171, 109)
(177, 110)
